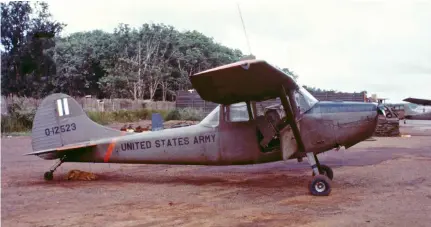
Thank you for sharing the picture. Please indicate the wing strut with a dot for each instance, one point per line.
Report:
(249, 110)
(291, 117)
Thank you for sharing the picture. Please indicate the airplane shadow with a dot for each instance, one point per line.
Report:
(268, 180)
(262, 181)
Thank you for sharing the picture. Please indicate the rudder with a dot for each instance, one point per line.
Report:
(60, 121)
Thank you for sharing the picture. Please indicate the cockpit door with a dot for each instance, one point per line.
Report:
(238, 140)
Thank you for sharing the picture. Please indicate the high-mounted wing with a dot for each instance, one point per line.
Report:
(424, 102)
(248, 80)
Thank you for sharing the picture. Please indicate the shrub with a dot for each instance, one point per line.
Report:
(191, 114)
(164, 113)
(124, 116)
(173, 115)
(121, 116)
(20, 118)
(102, 118)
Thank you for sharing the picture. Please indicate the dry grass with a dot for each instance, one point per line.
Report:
(21, 112)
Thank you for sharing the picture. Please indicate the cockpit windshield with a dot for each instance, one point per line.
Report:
(304, 100)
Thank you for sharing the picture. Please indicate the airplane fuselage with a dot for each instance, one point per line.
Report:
(325, 126)
(419, 116)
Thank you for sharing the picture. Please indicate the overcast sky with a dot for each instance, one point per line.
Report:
(383, 47)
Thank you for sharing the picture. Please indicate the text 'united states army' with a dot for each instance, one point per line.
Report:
(171, 142)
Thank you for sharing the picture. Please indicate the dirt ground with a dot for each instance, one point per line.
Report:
(376, 183)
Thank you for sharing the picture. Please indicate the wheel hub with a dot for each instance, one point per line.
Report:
(320, 187)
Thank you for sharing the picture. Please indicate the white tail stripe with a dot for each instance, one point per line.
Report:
(66, 106)
(63, 107)
(60, 107)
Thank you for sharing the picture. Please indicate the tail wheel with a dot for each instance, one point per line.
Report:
(320, 186)
(327, 171)
(48, 175)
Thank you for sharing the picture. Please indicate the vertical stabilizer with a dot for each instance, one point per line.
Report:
(60, 121)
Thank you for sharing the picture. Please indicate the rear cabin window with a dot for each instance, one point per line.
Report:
(212, 119)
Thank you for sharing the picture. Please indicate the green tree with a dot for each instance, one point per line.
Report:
(155, 60)
(82, 59)
(152, 61)
(28, 41)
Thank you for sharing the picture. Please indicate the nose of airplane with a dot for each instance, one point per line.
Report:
(365, 116)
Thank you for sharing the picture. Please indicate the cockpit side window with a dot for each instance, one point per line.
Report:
(237, 113)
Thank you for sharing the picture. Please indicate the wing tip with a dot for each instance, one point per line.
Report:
(39, 152)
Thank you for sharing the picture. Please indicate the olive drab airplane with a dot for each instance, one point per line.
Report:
(236, 132)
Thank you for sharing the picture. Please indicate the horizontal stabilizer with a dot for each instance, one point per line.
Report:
(57, 152)
(61, 149)
(42, 152)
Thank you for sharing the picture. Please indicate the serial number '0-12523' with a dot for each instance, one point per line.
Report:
(62, 128)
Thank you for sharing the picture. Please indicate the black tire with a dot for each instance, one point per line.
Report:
(48, 176)
(327, 171)
(320, 186)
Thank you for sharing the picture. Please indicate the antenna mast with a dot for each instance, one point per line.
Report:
(243, 26)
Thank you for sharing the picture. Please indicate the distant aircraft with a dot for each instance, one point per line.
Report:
(417, 113)
(234, 133)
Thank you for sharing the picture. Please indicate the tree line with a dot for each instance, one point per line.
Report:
(152, 61)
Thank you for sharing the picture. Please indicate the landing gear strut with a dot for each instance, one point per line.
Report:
(49, 175)
(320, 185)
(326, 170)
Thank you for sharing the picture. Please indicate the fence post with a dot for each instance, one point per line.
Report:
(205, 106)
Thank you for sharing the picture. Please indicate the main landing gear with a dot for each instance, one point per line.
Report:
(320, 185)
(49, 175)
